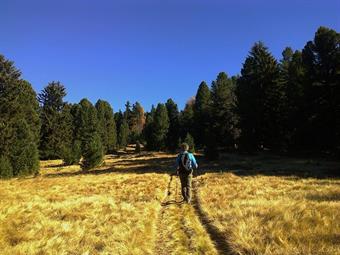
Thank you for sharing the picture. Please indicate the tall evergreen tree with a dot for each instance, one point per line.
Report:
(202, 112)
(191, 142)
(88, 133)
(160, 126)
(186, 118)
(51, 135)
(321, 60)
(107, 126)
(291, 77)
(148, 130)
(259, 98)
(124, 134)
(223, 103)
(71, 148)
(19, 123)
(173, 132)
(137, 121)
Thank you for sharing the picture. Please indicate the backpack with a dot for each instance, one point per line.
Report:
(185, 164)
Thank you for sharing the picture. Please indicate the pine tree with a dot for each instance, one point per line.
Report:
(223, 103)
(148, 130)
(51, 135)
(137, 122)
(124, 134)
(92, 152)
(160, 127)
(186, 118)
(321, 60)
(71, 147)
(107, 126)
(19, 123)
(87, 133)
(173, 132)
(202, 112)
(190, 141)
(291, 77)
(260, 96)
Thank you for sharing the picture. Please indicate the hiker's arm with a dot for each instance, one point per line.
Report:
(177, 163)
(194, 161)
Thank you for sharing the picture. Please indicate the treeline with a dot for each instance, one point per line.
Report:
(291, 105)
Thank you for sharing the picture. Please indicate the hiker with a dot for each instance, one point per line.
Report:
(184, 167)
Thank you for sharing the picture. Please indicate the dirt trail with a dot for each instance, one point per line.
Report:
(179, 228)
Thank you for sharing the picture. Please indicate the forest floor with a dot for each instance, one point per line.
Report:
(241, 204)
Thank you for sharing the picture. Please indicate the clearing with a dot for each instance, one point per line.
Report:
(131, 205)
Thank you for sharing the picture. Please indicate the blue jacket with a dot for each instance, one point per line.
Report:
(191, 158)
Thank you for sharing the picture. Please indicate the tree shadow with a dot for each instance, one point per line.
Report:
(241, 165)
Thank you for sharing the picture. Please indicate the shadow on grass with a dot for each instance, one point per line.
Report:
(241, 165)
(333, 197)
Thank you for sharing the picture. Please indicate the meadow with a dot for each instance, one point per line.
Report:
(131, 205)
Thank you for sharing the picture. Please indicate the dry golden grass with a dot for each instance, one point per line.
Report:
(274, 215)
(123, 208)
(80, 214)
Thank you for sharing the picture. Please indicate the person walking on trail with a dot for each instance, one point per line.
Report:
(185, 163)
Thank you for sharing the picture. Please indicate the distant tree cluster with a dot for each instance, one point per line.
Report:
(290, 105)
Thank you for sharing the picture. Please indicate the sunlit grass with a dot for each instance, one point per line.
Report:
(274, 215)
(81, 214)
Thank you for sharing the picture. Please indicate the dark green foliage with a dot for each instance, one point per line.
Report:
(87, 132)
(291, 78)
(223, 103)
(260, 97)
(6, 170)
(157, 126)
(186, 118)
(92, 153)
(137, 122)
(19, 122)
(148, 130)
(173, 132)
(52, 134)
(202, 112)
(190, 141)
(160, 126)
(107, 126)
(124, 134)
(71, 154)
(24, 154)
(321, 60)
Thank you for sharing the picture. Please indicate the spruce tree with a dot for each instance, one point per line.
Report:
(51, 134)
(88, 134)
(321, 60)
(6, 170)
(260, 97)
(137, 122)
(202, 111)
(291, 77)
(223, 103)
(186, 118)
(173, 132)
(160, 127)
(149, 128)
(190, 141)
(71, 148)
(124, 134)
(19, 123)
(106, 126)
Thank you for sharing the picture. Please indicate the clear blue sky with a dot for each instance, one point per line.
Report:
(148, 51)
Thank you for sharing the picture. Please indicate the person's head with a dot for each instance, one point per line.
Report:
(184, 147)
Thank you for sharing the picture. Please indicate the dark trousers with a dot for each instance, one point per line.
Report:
(186, 185)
